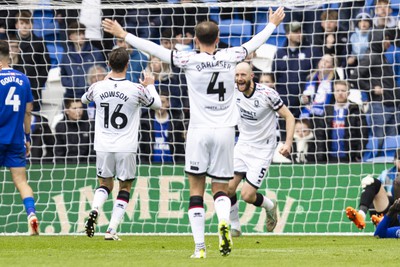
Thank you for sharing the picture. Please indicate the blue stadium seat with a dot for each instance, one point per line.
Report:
(371, 149)
(214, 14)
(277, 40)
(235, 32)
(386, 153)
(56, 52)
(390, 145)
(44, 24)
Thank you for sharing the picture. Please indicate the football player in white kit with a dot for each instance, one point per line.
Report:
(257, 105)
(118, 103)
(210, 138)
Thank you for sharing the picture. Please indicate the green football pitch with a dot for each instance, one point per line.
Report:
(252, 251)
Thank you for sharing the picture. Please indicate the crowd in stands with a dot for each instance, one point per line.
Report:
(336, 67)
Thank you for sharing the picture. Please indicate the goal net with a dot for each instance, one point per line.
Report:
(335, 146)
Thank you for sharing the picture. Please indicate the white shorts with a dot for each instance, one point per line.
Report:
(116, 164)
(253, 162)
(209, 151)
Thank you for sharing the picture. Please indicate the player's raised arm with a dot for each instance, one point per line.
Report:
(275, 18)
(113, 27)
(148, 82)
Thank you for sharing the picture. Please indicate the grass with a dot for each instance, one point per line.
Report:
(174, 251)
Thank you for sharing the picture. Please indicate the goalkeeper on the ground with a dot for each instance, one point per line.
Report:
(377, 194)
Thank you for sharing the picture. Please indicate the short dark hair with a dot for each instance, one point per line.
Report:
(68, 102)
(305, 121)
(76, 27)
(329, 15)
(118, 59)
(4, 49)
(206, 32)
(24, 15)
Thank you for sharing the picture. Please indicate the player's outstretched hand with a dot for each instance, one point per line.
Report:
(285, 150)
(148, 79)
(277, 16)
(113, 27)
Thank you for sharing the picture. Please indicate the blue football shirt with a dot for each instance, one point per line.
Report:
(15, 93)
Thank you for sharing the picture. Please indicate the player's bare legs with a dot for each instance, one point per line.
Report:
(100, 197)
(196, 213)
(250, 195)
(19, 178)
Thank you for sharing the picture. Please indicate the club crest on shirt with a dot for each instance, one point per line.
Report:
(256, 103)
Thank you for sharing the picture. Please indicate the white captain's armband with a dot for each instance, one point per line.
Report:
(367, 180)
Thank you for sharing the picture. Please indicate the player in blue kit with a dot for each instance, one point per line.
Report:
(16, 103)
(383, 229)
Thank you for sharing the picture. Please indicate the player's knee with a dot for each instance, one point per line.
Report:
(196, 201)
(369, 181)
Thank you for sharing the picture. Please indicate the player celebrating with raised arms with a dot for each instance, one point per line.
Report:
(15, 127)
(118, 103)
(257, 105)
(210, 138)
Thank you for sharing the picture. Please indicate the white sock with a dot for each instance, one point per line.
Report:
(234, 216)
(117, 215)
(362, 213)
(267, 204)
(100, 197)
(197, 222)
(223, 207)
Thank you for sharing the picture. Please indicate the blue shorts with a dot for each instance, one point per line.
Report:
(12, 155)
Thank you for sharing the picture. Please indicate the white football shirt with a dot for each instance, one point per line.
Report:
(257, 124)
(210, 80)
(118, 104)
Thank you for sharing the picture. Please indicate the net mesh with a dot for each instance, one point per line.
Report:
(312, 191)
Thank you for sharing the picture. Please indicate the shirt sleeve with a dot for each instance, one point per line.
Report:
(181, 58)
(259, 38)
(88, 96)
(149, 47)
(149, 97)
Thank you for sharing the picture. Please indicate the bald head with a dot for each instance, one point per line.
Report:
(244, 67)
(244, 78)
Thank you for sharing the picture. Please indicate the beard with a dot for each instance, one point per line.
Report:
(247, 86)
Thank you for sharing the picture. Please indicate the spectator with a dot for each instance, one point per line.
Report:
(137, 62)
(319, 88)
(73, 135)
(346, 126)
(184, 19)
(34, 55)
(267, 79)
(168, 39)
(167, 80)
(15, 54)
(359, 39)
(78, 58)
(383, 15)
(293, 63)
(162, 135)
(331, 40)
(42, 140)
(96, 73)
(304, 145)
(375, 78)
